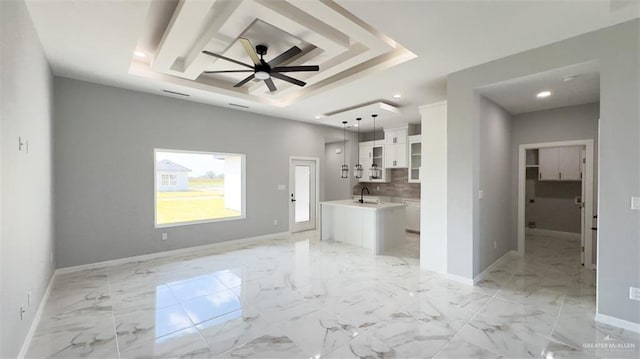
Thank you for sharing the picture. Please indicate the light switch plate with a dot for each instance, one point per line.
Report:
(634, 293)
(480, 194)
(281, 187)
(635, 203)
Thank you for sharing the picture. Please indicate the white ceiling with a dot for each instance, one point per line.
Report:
(519, 95)
(94, 41)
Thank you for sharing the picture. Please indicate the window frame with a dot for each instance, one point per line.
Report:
(243, 186)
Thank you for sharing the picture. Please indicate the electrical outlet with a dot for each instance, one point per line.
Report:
(377, 188)
(634, 293)
(51, 257)
(29, 299)
(635, 203)
(480, 194)
(495, 244)
(275, 222)
(281, 187)
(165, 236)
(22, 311)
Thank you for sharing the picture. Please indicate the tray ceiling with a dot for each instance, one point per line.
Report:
(344, 46)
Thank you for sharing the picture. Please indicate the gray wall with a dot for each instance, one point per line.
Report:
(26, 233)
(554, 206)
(560, 124)
(104, 142)
(493, 239)
(617, 49)
(336, 187)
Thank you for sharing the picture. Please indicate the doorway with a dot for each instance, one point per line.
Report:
(541, 168)
(303, 197)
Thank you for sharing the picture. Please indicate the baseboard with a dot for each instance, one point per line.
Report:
(459, 279)
(479, 277)
(552, 233)
(173, 252)
(36, 319)
(617, 322)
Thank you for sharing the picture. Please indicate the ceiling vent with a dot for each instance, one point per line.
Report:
(176, 93)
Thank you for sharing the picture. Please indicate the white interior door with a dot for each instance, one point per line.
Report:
(303, 196)
(584, 216)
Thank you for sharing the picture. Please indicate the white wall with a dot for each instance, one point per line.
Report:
(617, 49)
(117, 130)
(493, 238)
(433, 188)
(26, 233)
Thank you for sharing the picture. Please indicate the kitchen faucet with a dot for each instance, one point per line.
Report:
(361, 200)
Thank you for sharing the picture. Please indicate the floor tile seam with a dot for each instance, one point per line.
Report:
(113, 316)
(464, 325)
(529, 305)
(555, 323)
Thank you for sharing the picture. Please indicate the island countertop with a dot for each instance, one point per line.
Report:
(353, 203)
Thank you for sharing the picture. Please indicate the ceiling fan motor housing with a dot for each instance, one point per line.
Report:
(261, 49)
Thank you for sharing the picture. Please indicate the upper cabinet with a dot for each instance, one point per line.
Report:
(395, 143)
(370, 154)
(560, 163)
(415, 158)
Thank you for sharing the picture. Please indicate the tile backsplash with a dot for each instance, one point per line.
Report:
(398, 186)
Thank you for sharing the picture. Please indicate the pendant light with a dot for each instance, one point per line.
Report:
(344, 170)
(357, 169)
(374, 172)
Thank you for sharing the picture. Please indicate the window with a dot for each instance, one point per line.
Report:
(196, 187)
(169, 180)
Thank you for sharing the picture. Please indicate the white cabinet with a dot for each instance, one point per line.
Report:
(370, 154)
(396, 156)
(412, 212)
(395, 141)
(415, 158)
(560, 163)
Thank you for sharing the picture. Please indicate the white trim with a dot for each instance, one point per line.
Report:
(552, 233)
(479, 277)
(588, 189)
(173, 252)
(36, 318)
(617, 322)
(459, 279)
(317, 161)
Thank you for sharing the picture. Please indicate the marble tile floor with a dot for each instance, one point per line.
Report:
(304, 298)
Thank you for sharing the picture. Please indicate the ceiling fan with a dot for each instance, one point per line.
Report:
(263, 70)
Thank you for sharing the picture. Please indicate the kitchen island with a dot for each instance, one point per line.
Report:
(374, 226)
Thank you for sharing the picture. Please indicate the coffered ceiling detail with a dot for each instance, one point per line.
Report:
(344, 47)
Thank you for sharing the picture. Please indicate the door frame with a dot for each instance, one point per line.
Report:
(317, 189)
(587, 200)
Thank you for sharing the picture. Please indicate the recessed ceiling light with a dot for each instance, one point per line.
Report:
(569, 78)
(397, 96)
(356, 125)
(140, 54)
(319, 117)
(543, 94)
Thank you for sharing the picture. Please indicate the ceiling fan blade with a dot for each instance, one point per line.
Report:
(247, 79)
(226, 58)
(285, 56)
(288, 79)
(226, 71)
(251, 51)
(295, 68)
(270, 85)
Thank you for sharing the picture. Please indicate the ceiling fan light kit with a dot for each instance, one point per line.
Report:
(263, 70)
